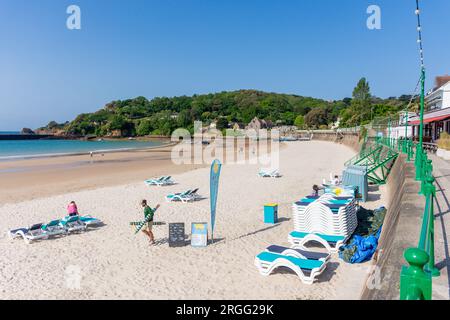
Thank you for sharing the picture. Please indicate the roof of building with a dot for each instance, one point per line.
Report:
(435, 115)
(441, 80)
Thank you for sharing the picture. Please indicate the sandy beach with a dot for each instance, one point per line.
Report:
(116, 264)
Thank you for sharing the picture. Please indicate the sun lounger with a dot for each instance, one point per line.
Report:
(90, 221)
(183, 196)
(194, 194)
(54, 228)
(161, 181)
(269, 174)
(73, 224)
(30, 234)
(298, 253)
(331, 243)
(307, 270)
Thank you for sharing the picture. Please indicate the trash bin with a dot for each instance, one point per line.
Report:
(271, 213)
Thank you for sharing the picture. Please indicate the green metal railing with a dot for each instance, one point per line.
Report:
(416, 278)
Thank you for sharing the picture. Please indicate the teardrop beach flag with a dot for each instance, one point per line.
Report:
(213, 189)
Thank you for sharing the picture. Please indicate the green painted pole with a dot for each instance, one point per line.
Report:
(422, 107)
(430, 194)
(406, 133)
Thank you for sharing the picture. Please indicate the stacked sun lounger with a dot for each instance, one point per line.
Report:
(340, 190)
(327, 219)
(59, 227)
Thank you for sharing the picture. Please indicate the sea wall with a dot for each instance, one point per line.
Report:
(350, 139)
(401, 228)
(400, 231)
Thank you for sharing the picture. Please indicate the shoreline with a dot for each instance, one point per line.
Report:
(81, 153)
(42, 177)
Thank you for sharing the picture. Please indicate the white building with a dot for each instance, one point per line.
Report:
(400, 129)
(437, 118)
(439, 98)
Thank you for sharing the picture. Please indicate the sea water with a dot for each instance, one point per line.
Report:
(12, 149)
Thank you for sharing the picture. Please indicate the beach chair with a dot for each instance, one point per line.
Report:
(33, 233)
(73, 224)
(90, 221)
(269, 174)
(54, 228)
(330, 242)
(183, 196)
(194, 194)
(306, 269)
(298, 253)
(161, 181)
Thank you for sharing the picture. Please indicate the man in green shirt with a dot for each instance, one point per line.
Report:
(148, 215)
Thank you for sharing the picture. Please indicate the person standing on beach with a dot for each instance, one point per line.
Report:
(315, 190)
(335, 181)
(72, 209)
(148, 215)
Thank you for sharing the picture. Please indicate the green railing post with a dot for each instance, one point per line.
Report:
(415, 284)
(430, 193)
(418, 163)
(410, 150)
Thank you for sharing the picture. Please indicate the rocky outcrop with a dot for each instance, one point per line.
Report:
(27, 131)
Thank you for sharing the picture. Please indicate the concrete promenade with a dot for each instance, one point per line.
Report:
(441, 171)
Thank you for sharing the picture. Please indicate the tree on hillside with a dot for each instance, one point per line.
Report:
(359, 110)
(361, 93)
(316, 118)
(222, 123)
(299, 122)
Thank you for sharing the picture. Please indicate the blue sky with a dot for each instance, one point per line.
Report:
(181, 47)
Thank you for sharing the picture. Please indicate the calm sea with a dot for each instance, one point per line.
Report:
(11, 149)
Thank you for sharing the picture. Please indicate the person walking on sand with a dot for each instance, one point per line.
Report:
(72, 209)
(148, 215)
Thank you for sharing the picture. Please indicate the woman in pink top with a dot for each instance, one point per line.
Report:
(72, 209)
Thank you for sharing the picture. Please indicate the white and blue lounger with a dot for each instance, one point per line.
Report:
(54, 228)
(307, 270)
(331, 243)
(299, 253)
(73, 224)
(90, 221)
(30, 234)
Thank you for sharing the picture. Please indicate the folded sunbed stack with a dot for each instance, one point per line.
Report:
(328, 214)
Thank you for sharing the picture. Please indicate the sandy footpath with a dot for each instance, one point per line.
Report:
(116, 264)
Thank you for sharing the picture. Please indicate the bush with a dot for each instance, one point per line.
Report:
(362, 133)
(444, 141)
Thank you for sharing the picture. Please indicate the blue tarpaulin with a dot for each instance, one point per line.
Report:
(363, 244)
(363, 247)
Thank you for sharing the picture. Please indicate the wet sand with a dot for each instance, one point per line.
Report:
(22, 180)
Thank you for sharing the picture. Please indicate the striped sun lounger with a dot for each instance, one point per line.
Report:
(33, 233)
(306, 269)
(298, 253)
(331, 243)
